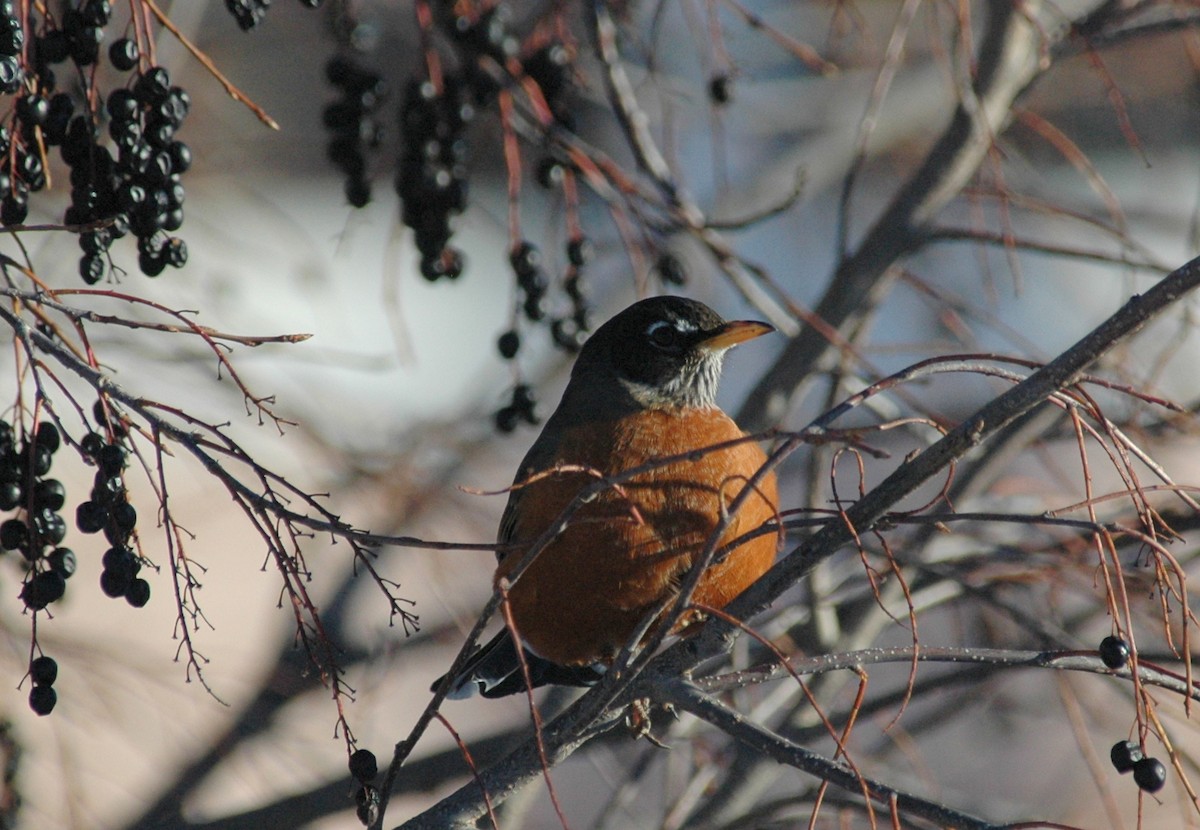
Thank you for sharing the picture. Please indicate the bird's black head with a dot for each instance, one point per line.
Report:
(663, 352)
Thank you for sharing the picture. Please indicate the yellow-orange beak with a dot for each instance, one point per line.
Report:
(734, 332)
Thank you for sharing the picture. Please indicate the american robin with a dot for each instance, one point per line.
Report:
(643, 388)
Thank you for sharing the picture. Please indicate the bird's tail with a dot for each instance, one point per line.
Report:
(495, 671)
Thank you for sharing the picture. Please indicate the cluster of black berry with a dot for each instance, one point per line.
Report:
(109, 510)
(141, 189)
(43, 671)
(41, 116)
(249, 13)
(526, 262)
(352, 123)
(134, 186)
(39, 529)
(1127, 756)
(569, 330)
(149, 162)
(40, 110)
(1148, 773)
(365, 768)
(432, 179)
(486, 34)
(522, 407)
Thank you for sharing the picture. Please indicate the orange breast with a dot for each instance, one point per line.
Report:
(628, 548)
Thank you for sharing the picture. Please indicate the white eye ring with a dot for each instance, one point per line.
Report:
(663, 335)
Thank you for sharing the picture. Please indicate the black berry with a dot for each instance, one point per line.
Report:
(124, 516)
(507, 418)
(43, 589)
(580, 251)
(1114, 652)
(43, 671)
(670, 269)
(62, 561)
(91, 517)
(92, 443)
(1124, 754)
(508, 344)
(153, 86)
(42, 699)
(525, 259)
(50, 494)
(124, 54)
(115, 583)
(138, 593)
(111, 459)
(363, 765)
(91, 268)
(719, 91)
(13, 534)
(1149, 774)
(10, 495)
(32, 109)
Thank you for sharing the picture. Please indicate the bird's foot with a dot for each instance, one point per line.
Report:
(639, 722)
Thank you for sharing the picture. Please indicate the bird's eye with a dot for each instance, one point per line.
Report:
(664, 336)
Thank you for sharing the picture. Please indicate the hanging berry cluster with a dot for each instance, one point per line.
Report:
(432, 176)
(43, 671)
(38, 529)
(365, 769)
(142, 191)
(522, 407)
(36, 533)
(134, 184)
(1149, 773)
(108, 510)
(249, 13)
(351, 120)
(475, 60)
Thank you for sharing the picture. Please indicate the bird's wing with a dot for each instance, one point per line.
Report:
(495, 671)
(541, 456)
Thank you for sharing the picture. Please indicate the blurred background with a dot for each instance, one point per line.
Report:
(790, 128)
